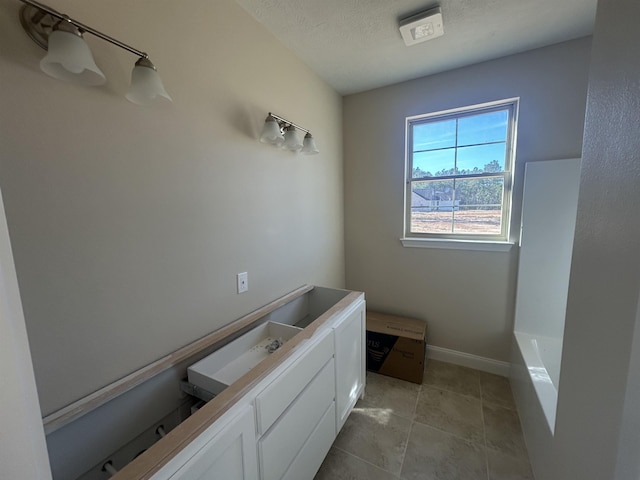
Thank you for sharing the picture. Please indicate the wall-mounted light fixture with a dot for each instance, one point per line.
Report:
(280, 132)
(70, 59)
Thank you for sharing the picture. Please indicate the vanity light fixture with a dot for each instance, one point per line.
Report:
(70, 59)
(280, 132)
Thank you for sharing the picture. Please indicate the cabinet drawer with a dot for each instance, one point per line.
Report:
(308, 461)
(274, 399)
(284, 440)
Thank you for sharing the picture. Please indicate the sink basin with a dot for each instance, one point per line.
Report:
(223, 367)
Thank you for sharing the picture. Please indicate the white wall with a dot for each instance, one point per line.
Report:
(599, 373)
(466, 296)
(128, 223)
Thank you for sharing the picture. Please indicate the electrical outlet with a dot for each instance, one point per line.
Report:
(243, 282)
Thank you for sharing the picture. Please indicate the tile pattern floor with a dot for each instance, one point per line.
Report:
(460, 424)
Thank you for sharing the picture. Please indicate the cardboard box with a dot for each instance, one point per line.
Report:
(396, 346)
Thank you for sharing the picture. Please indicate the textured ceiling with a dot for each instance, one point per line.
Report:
(355, 45)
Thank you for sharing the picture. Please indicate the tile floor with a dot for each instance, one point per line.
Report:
(460, 424)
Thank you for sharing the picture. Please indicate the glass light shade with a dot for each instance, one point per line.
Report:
(271, 133)
(309, 145)
(291, 139)
(146, 85)
(70, 59)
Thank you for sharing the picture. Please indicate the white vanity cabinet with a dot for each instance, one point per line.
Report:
(225, 451)
(280, 393)
(280, 446)
(279, 420)
(349, 340)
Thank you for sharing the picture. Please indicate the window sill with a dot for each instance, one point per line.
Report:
(481, 246)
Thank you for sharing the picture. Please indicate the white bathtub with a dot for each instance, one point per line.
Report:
(542, 356)
(549, 206)
(535, 369)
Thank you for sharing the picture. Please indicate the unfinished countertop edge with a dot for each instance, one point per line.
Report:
(150, 462)
(87, 404)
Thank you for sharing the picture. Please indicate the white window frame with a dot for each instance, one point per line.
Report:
(476, 241)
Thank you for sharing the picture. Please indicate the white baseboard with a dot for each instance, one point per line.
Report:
(468, 360)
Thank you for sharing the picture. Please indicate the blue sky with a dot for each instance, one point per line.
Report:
(434, 143)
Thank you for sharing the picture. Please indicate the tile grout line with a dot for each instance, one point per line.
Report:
(479, 374)
(365, 461)
(472, 371)
(455, 435)
(438, 387)
(479, 398)
(484, 430)
(404, 453)
(444, 389)
(482, 401)
(446, 432)
(413, 416)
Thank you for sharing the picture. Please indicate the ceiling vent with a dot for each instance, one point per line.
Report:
(422, 26)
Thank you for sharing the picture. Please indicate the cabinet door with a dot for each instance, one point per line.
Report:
(229, 455)
(349, 338)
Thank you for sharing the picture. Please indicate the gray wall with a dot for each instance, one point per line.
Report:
(597, 434)
(466, 296)
(24, 451)
(128, 224)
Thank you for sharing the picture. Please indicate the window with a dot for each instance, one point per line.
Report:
(459, 173)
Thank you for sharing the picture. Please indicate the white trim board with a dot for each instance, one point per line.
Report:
(468, 360)
(454, 244)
